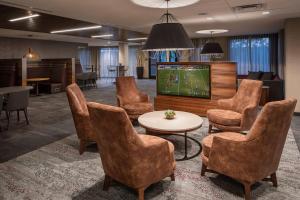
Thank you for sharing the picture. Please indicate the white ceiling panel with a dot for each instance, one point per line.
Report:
(125, 14)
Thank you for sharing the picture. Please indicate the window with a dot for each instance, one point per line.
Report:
(109, 60)
(251, 54)
(161, 56)
(85, 58)
(132, 61)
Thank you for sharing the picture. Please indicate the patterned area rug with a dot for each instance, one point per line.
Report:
(57, 171)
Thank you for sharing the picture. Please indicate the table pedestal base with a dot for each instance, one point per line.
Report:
(186, 156)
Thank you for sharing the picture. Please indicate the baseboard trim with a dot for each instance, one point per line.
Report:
(297, 113)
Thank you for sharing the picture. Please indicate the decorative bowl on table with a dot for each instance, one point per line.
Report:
(170, 114)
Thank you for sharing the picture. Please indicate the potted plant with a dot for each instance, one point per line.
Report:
(170, 114)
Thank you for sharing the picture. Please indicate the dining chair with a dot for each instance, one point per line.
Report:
(17, 101)
(1, 106)
(1, 103)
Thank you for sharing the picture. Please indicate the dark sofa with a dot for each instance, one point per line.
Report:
(85, 79)
(276, 85)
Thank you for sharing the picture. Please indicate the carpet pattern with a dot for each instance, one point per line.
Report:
(57, 171)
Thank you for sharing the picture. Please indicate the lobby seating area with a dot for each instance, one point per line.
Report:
(170, 100)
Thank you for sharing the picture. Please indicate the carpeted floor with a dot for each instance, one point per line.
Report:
(57, 171)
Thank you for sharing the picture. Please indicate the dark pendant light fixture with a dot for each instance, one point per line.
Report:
(168, 35)
(212, 48)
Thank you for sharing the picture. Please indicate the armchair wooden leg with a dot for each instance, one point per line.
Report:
(172, 176)
(209, 128)
(247, 190)
(141, 193)
(203, 170)
(107, 182)
(274, 179)
(82, 146)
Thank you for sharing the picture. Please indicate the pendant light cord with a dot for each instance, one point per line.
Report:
(211, 35)
(167, 17)
(167, 11)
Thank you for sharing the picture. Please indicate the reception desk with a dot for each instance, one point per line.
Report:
(222, 85)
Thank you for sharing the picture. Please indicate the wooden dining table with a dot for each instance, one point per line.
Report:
(36, 82)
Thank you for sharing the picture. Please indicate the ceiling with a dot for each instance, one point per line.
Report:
(45, 23)
(126, 15)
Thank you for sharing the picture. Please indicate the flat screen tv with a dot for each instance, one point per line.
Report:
(184, 80)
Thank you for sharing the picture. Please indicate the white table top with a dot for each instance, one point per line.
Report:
(12, 89)
(183, 122)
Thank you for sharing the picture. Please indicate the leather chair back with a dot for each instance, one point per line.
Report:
(116, 139)
(79, 110)
(17, 101)
(127, 89)
(249, 93)
(269, 133)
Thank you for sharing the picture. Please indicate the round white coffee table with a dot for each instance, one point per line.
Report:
(184, 122)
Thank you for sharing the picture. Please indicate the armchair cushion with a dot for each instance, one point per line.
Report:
(138, 108)
(208, 140)
(224, 117)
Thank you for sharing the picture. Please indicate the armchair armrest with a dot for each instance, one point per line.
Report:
(226, 104)
(239, 159)
(154, 154)
(248, 116)
(119, 101)
(144, 97)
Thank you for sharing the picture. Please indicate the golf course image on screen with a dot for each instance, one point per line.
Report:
(191, 80)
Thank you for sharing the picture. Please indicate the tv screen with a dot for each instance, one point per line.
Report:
(184, 80)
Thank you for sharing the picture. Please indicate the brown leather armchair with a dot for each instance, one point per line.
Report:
(80, 115)
(238, 113)
(134, 102)
(255, 156)
(132, 159)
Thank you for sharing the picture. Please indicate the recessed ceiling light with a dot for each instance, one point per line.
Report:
(214, 31)
(266, 12)
(102, 36)
(23, 18)
(135, 39)
(76, 29)
(209, 18)
(164, 3)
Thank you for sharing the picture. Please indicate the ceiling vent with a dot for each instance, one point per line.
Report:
(249, 8)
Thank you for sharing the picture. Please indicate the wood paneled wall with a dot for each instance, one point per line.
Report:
(223, 78)
(70, 68)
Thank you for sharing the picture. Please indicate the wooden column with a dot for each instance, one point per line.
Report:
(24, 72)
